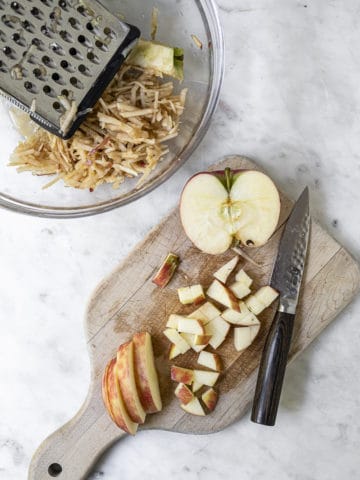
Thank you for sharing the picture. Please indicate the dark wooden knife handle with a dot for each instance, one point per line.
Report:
(272, 369)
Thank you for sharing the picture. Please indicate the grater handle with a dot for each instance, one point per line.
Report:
(70, 452)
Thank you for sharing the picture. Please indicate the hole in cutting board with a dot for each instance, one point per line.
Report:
(55, 469)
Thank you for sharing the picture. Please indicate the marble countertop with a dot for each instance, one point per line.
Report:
(291, 100)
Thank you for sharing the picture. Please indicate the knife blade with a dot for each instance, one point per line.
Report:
(286, 279)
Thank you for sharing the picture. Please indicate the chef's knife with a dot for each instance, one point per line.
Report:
(286, 279)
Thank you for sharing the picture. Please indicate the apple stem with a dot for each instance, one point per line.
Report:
(228, 179)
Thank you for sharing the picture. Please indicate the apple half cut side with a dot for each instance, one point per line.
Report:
(118, 411)
(126, 376)
(217, 208)
(146, 376)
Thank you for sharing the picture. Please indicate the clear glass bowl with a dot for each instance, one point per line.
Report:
(178, 20)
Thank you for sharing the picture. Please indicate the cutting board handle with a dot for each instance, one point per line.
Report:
(70, 452)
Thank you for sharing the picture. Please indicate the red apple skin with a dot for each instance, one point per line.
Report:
(141, 369)
(184, 394)
(104, 389)
(182, 375)
(210, 398)
(166, 271)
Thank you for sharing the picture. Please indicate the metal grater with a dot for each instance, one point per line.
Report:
(58, 56)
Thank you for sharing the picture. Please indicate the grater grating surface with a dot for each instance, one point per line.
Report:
(58, 56)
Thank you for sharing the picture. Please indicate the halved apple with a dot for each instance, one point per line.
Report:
(194, 407)
(146, 376)
(118, 411)
(244, 336)
(205, 313)
(210, 360)
(210, 398)
(218, 207)
(219, 292)
(126, 376)
(193, 294)
(182, 375)
(183, 393)
(223, 273)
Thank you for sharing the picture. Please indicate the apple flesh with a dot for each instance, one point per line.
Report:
(205, 313)
(190, 340)
(223, 273)
(190, 325)
(205, 378)
(196, 386)
(182, 375)
(210, 398)
(194, 407)
(244, 336)
(175, 338)
(218, 329)
(193, 294)
(210, 360)
(217, 208)
(146, 376)
(240, 290)
(244, 278)
(184, 394)
(220, 293)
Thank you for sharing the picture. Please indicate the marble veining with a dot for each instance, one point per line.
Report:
(291, 100)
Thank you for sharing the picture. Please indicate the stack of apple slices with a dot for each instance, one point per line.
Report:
(130, 385)
(208, 326)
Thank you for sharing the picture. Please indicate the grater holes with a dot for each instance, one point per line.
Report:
(2, 36)
(40, 72)
(63, 4)
(2, 4)
(37, 13)
(30, 87)
(67, 66)
(57, 48)
(57, 78)
(28, 26)
(45, 30)
(9, 52)
(74, 23)
(76, 83)
(39, 44)
(90, 26)
(84, 70)
(93, 58)
(66, 36)
(84, 41)
(101, 46)
(48, 61)
(46, 2)
(18, 39)
(109, 33)
(57, 106)
(75, 53)
(17, 7)
(49, 91)
(3, 67)
(10, 20)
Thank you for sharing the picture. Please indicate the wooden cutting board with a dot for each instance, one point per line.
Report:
(127, 301)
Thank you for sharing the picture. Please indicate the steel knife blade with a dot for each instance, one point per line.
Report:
(286, 279)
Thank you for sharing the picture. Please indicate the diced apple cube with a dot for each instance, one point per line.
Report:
(190, 325)
(210, 398)
(183, 393)
(218, 329)
(174, 351)
(223, 273)
(190, 340)
(196, 386)
(210, 360)
(244, 336)
(175, 337)
(219, 292)
(205, 377)
(167, 270)
(182, 375)
(205, 313)
(254, 305)
(193, 294)
(244, 278)
(194, 407)
(266, 295)
(173, 321)
(240, 290)
(202, 339)
(239, 318)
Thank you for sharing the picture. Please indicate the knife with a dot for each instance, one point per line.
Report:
(286, 279)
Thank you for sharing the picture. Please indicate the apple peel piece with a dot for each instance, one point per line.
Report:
(146, 377)
(167, 270)
(182, 375)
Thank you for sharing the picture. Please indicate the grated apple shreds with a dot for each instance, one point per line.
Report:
(124, 136)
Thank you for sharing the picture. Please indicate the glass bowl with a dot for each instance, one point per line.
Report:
(178, 21)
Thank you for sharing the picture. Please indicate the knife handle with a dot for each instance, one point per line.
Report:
(272, 369)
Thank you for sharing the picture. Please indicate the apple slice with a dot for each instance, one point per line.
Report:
(174, 351)
(219, 292)
(239, 318)
(190, 325)
(146, 376)
(190, 340)
(194, 407)
(182, 375)
(218, 329)
(240, 290)
(104, 389)
(196, 386)
(244, 278)
(210, 398)
(115, 400)
(223, 273)
(244, 336)
(175, 337)
(217, 207)
(167, 270)
(205, 377)
(210, 360)
(266, 295)
(193, 294)
(202, 339)
(205, 313)
(126, 376)
(254, 305)
(184, 394)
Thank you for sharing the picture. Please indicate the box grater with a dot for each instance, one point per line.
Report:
(58, 56)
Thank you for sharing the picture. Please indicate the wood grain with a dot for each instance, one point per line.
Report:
(127, 302)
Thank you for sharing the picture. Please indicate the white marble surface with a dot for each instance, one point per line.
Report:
(291, 99)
